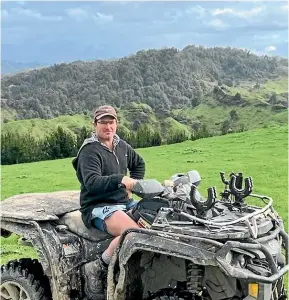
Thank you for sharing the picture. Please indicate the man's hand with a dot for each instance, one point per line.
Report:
(128, 182)
(129, 194)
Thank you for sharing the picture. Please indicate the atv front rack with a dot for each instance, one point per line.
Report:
(249, 220)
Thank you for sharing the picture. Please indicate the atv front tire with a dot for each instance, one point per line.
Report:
(171, 294)
(19, 282)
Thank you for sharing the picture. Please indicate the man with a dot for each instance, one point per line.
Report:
(101, 166)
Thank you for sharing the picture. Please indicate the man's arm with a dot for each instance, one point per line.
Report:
(89, 166)
(136, 164)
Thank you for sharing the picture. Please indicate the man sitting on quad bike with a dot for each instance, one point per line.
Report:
(101, 167)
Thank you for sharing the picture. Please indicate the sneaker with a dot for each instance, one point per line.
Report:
(95, 275)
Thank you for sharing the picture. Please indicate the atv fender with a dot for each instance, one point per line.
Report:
(158, 243)
(166, 245)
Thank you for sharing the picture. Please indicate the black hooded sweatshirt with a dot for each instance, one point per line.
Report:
(100, 172)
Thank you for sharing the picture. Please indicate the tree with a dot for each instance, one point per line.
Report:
(225, 127)
(229, 82)
(144, 137)
(59, 144)
(177, 137)
(237, 97)
(81, 135)
(10, 148)
(19, 148)
(156, 139)
(201, 132)
(234, 115)
(273, 99)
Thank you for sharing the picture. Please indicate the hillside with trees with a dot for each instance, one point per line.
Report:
(163, 79)
(162, 96)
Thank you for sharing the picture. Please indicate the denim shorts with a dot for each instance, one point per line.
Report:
(99, 214)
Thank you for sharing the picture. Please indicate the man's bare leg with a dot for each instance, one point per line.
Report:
(116, 224)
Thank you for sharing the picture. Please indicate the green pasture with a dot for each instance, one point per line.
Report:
(260, 153)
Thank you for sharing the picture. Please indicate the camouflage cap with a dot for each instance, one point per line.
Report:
(105, 110)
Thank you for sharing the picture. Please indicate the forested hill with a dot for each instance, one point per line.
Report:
(164, 79)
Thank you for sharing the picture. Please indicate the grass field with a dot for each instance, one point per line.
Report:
(260, 153)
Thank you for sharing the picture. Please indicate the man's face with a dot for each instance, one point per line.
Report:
(106, 127)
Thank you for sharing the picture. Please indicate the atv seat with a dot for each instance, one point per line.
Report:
(75, 224)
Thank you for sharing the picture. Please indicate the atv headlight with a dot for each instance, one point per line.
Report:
(253, 289)
(240, 259)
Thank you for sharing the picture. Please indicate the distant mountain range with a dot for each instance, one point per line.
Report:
(11, 67)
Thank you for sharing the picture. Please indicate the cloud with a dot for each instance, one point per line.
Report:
(217, 24)
(239, 13)
(32, 14)
(197, 10)
(142, 25)
(102, 18)
(223, 11)
(250, 13)
(270, 49)
(78, 14)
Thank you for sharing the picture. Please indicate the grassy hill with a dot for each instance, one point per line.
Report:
(260, 153)
(213, 117)
(251, 92)
(39, 127)
(256, 112)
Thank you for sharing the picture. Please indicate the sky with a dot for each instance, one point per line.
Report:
(64, 31)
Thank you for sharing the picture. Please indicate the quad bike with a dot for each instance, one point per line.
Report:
(187, 246)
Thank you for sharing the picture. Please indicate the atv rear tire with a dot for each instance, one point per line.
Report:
(21, 280)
